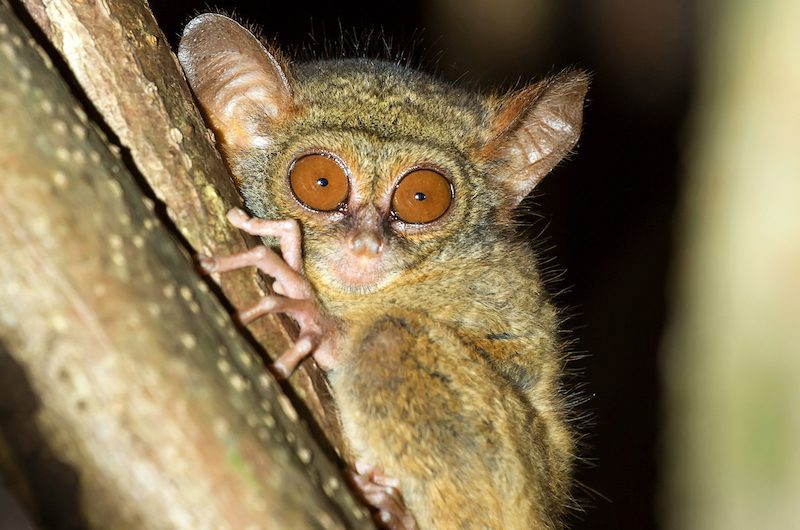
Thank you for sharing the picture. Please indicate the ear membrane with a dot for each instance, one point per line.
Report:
(534, 128)
(239, 84)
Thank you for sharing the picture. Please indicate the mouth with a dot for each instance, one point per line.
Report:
(358, 273)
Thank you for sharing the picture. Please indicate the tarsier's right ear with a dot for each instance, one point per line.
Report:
(239, 84)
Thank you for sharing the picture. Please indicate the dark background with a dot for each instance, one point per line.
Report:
(604, 217)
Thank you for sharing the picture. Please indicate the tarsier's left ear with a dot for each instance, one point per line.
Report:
(534, 128)
(238, 82)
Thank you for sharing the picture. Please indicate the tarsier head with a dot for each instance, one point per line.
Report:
(385, 168)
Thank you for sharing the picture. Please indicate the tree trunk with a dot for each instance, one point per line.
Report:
(128, 398)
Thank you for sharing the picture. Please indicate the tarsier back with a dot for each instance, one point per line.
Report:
(403, 266)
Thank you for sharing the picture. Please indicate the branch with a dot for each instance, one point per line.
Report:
(128, 398)
(123, 63)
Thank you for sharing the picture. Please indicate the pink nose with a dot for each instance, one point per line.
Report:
(366, 243)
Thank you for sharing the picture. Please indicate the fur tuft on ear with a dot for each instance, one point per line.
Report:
(534, 128)
(239, 84)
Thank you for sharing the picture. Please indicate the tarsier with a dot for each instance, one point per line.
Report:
(392, 197)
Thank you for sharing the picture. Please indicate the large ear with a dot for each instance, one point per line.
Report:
(534, 128)
(239, 84)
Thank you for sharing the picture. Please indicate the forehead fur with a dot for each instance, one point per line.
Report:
(389, 101)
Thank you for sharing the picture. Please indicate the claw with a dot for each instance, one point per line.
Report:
(382, 493)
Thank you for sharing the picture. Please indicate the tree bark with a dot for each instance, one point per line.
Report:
(123, 64)
(128, 398)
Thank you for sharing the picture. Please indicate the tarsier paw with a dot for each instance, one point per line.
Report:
(295, 296)
(382, 493)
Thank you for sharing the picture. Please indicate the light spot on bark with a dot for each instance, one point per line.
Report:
(287, 407)
(79, 157)
(188, 341)
(134, 318)
(79, 131)
(115, 187)
(8, 50)
(59, 127)
(221, 428)
(330, 486)
(59, 323)
(59, 179)
(84, 119)
(246, 359)
(175, 135)
(224, 366)
(46, 106)
(238, 382)
(304, 455)
(186, 293)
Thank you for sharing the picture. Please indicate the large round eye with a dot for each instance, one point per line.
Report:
(319, 182)
(422, 196)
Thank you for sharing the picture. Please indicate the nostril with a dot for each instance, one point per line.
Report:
(366, 244)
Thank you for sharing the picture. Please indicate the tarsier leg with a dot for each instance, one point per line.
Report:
(298, 296)
(383, 494)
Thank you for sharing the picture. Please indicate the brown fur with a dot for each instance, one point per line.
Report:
(449, 367)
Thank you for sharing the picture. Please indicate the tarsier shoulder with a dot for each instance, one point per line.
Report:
(414, 292)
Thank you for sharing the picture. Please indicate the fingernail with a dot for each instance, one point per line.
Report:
(279, 370)
(242, 317)
(362, 467)
(234, 213)
(206, 263)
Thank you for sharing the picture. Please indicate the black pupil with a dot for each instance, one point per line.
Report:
(419, 196)
(322, 181)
